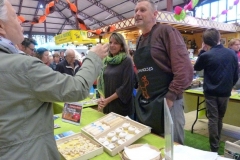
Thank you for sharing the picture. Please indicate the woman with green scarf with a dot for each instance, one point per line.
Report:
(115, 83)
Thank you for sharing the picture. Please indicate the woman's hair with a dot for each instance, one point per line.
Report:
(40, 52)
(233, 41)
(120, 39)
(3, 10)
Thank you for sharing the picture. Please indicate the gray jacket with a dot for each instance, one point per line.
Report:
(27, 88)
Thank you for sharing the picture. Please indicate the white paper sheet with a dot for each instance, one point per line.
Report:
(143, 152)
(189, 153)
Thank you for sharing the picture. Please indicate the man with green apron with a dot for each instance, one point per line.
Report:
(164, 71)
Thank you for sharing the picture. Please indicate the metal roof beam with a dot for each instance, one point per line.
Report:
(20, 7)
(105, 8)
(83, 14)
(60, 30)
(39, 33)
(35, 14)
(72, 23)
(133, 1)
(104, 11)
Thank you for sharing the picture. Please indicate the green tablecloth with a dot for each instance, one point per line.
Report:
(232, 113)
(89, 115)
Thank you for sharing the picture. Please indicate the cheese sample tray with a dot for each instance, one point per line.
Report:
(78, 147)
(114, 132)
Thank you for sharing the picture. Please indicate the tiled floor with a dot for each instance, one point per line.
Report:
(229, 132)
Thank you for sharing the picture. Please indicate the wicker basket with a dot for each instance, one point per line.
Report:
(125, 157)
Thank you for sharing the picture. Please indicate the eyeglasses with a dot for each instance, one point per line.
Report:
(32, 49)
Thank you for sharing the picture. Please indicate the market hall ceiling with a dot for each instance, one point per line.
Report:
(94, 13)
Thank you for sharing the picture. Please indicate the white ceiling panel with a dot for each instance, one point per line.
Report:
(92, 10)
(28, 11)
(82, 5)
(110, 3)
(14, 2)
(30, 3)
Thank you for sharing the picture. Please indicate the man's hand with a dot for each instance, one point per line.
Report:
(169, 103)
(100, 50)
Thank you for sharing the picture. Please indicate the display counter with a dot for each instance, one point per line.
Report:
(193, 99)
(89, 115)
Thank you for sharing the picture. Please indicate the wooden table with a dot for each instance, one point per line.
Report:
(193, 99)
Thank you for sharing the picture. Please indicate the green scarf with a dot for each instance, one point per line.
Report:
(108, 60)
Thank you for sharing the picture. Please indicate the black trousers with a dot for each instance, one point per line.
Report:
(216, 108)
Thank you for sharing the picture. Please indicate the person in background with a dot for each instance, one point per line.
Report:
(43, 55)
(234, 44)
(28, 46)
(56, 60)
(69, 65)
(82, 57)
(27, 89)
(220, 75)
(50, 59)
(62, 55)
(164, 71)
(115, 83)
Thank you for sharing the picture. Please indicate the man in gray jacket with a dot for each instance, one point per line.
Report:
(27, 88)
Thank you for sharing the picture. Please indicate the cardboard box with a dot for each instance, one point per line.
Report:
(125, 131)
(232, 150)
(75, 147)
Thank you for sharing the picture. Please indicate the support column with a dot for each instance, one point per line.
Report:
(170, 5)
(45, 31)
(76, 3)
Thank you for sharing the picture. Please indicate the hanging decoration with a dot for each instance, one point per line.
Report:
(180, 13)
(225, 11)
(50, 8)
(111, 28)
(81, 23)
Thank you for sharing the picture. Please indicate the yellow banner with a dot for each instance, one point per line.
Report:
(75, 37)
(63, 38)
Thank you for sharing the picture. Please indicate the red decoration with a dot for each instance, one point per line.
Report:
(188, 6)
(178, 10)
(50, 8)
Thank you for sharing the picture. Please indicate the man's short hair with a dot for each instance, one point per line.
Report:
(56, 54)
(152, 2)
(211, 37)
(27, 41)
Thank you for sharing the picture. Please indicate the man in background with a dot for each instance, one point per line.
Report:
(69, 65)
(220, 75)
(164, 71)
(56, 60)
(62, 55)
(28, 46)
